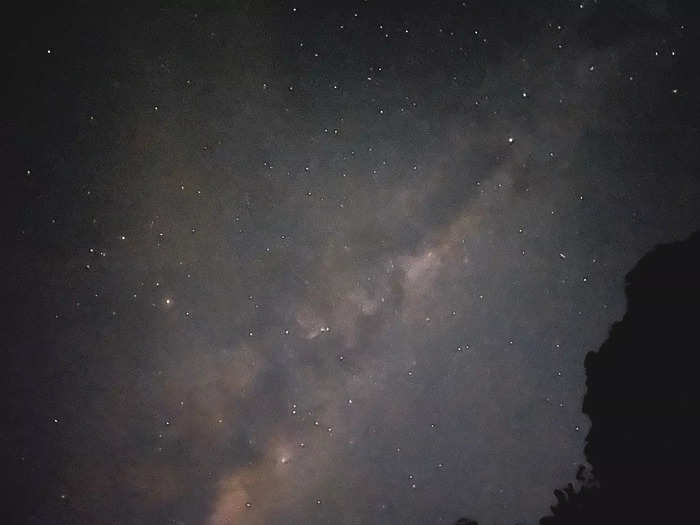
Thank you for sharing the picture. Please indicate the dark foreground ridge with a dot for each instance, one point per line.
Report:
(643, 402)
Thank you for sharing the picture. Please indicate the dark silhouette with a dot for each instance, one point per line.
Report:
(643, 400)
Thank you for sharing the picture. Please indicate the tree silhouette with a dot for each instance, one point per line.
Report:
(643, 400)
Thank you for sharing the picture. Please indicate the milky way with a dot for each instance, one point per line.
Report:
(288, 265)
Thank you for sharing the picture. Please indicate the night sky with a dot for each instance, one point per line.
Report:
(284, 263)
